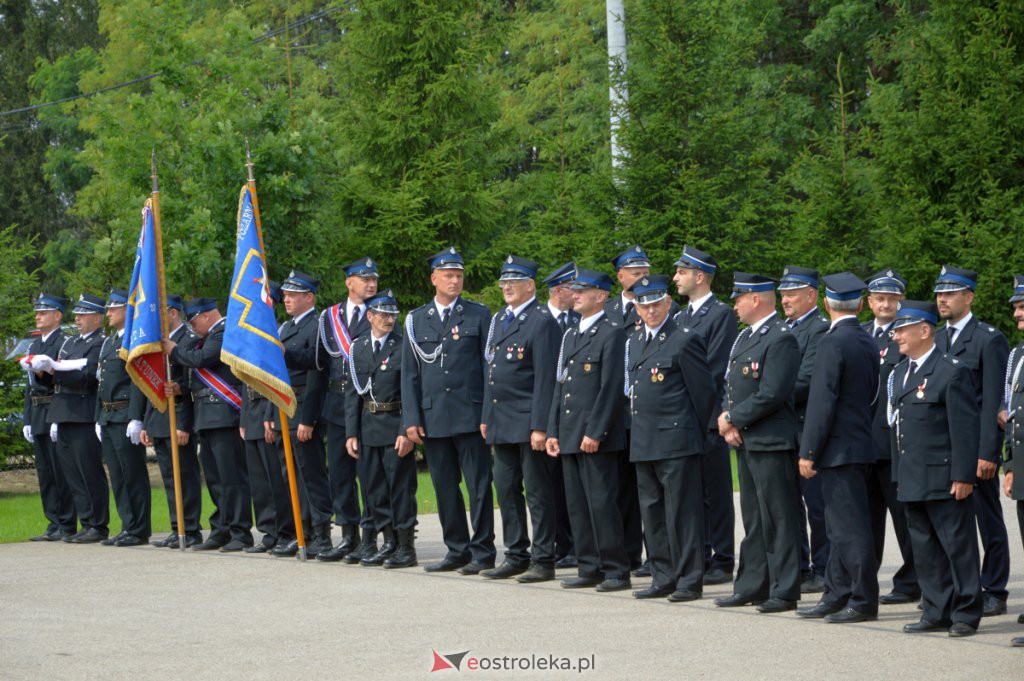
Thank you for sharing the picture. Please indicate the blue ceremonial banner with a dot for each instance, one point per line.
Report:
(141, 349)
(251, 345)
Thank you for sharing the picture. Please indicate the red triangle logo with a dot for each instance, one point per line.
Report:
(440, 663)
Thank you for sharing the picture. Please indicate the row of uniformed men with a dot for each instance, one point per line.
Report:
(516, 421)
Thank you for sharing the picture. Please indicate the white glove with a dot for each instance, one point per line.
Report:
(99, 432)
(68, 364)
(42, 363)
(26, 363)
(27, 432)
(134, 431)
(53, 432)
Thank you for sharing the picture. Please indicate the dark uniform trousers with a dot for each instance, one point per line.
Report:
(126, 462)
(563, 533)
(58, 506)
(983, 350)
(517, 401)
(936, 442)
(814, 542)
(589, 401)
(444, 398)
(672, 397)
(716, 323)
(300, 337)
(762, 371)
(837, 438)
(271, 499)
(78, 451)
(158, 427)
(220, 446)
(882, 492)
(388, 480)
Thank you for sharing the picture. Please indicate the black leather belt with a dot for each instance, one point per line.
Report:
(38, 400)
(112, 406)
(61, 389)
(382, 407)
(200, 394)
(338, 385)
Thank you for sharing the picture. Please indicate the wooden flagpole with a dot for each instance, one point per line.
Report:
(286, 438)
(172, 415)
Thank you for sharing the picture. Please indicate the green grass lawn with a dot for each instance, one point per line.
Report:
(21, 515)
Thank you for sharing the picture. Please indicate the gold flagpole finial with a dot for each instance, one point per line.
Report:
(153, 168)
(248, 161)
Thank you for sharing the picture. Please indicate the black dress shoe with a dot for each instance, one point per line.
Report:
(717, 576)
(815, 584)
(130, 540)
(653, 592)
(924, 626)
(475, 567)
(288, 548)
(190, 541)
(776, 605)
(70, 539)
(643, 571)
(163, 543)
(46, 536)
(507, 569)
(567, 561)
(897, 598)
(446, 564)
(580, 582)
(610, 585)
(256, 548)
(821, 609)
(110, 541)
(684, 595)
(90, 536)
(208, 545)
(850, 616)
(992, 606)
(233, 546)
(961, 629)
(1020, 618)
(536, 573)
(1017, 642)
(737, 600)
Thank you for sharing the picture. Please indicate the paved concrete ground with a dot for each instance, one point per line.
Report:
(90, 612)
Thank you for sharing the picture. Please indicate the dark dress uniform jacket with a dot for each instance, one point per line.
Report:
(983, 350)
(116, 386)
(446, 397)
(716, 323)
(670, 416)
(888, 357)
(382, 428)
(808, 334)
(521, 375)
(195, 352)
(310, 384)
(937, 433)
(336, 368)
(837, 428)
(75, 391)
(760, 399)
(591, 402)
(1015, 423)
(158, 425)
(41, 386)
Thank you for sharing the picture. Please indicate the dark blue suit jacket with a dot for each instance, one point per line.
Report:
(840, 404)
(716, 323)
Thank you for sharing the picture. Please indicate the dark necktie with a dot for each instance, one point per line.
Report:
(354, 319)
(627, 309)
(688, 315)
(376, 348)
(650, 337)
(563, 321)
(910, 372)
(792, 323)
(879, 332)
(507, 320)
(445, 315)
(949, 338)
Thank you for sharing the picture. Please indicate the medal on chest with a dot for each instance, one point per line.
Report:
(754, 370)
(920, 389)
(586, 367)
(455, 332)
(384, 363)
(508, 353)
(520, 352)
(882, 353)
(656, 375)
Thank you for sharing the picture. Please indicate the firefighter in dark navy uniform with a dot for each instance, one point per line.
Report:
(1012, 419)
